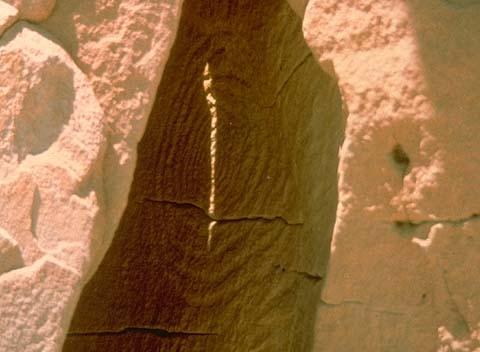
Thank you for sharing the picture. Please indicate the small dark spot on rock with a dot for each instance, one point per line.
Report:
(405, 227)
(400, 157)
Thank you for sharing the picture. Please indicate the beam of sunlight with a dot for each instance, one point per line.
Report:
(212, 105)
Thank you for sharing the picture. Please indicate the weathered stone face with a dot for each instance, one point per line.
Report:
(226, 240)
(227, 231)
(32, 10)
(408, 200)
(65, 152)
(52, 136)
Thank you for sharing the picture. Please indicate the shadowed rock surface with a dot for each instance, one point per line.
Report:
(226, 235)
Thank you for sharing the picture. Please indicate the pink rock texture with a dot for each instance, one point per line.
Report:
(8, 15)
(77, 82)
(404, 256)
(75, 94)
(33, 10)
(50, 195)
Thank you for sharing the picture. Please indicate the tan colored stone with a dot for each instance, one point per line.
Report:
(408, 73)
(33, 10)
(122, 47)
(10, 255)
(298, 6)
(237, 266)
(33, 303)
(52, 143)
(8, 15)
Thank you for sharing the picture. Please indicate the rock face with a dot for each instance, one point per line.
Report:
(227, 231)
(74, 102)
(49, 192)
(8, 16)
(404, 263)
(226, 242)
(9, 252)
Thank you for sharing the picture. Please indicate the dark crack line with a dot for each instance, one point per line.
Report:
(142, 330)
(305, 274)
(455, 222)
(224, 219)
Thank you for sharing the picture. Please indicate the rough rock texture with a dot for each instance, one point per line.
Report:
(75, 94)
(122, 47)
(403, 273)
(9, 252)
(227, 231)
(227, 235)
(49, 193)
(33, 10)
(8, 16)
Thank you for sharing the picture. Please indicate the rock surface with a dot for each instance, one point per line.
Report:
(226, 239)
(405, 247)
(11, 257)
(227, 230)
(298, 6)
(8, 16)
(52, 145)
(33, 10)
(75, 95)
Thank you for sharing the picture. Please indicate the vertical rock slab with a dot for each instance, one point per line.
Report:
(408, 71)
(234, 194)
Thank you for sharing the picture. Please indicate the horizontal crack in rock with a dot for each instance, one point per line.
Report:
(226, 219)
(142, 330)
(305, 274)
(456, 222)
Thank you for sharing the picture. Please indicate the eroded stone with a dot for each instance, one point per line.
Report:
(33, 10)
(408, 75)
(10, 255)
(8, 16)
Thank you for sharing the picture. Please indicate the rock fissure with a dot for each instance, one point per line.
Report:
(305, 274)
(226, 219)
(142, 330)
(409, 224)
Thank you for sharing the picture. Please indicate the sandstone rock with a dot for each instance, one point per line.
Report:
(50, 195)
(33, 10)
(64, 184)
(226, 237)
(10, 255)
(227, 229)
(122, 47)
(408, 73)
(8, 15)
(33, 302)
